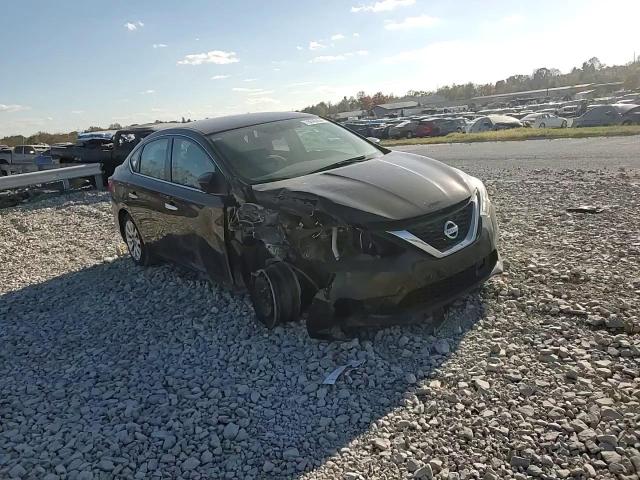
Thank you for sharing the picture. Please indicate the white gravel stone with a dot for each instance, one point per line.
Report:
(154, 373)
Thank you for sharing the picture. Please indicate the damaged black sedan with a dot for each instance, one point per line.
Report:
(311, 218)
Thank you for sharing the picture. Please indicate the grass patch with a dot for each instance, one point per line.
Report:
(522, 134)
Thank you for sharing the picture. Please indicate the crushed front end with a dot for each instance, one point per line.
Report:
(353, 269)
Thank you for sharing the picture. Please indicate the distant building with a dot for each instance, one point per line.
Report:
(393, 109)
(353, 115)
(433, 100)
(559, 93)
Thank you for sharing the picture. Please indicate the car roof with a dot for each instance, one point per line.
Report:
(231, 122)
(624, 107)
(502, 119)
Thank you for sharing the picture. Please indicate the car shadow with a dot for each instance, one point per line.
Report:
(126, 370)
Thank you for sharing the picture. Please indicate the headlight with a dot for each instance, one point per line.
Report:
(483, 196)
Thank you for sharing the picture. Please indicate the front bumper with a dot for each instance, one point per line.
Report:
(405, 288)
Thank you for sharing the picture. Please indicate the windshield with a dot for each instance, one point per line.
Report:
(290, 148)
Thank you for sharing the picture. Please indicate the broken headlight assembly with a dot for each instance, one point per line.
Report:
(374, 244)
(344, 242)
(351, 241)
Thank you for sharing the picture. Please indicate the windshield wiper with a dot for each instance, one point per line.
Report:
(341, 163)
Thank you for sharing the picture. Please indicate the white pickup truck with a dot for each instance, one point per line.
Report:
(24, 158)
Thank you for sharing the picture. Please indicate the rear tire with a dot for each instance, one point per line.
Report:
(564, 124)
(137, 248)
(276, 294)
(542, 125)
(409, 134)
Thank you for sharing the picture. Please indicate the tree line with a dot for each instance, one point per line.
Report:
(591, 71)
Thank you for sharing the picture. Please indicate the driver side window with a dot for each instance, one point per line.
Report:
(189, 162)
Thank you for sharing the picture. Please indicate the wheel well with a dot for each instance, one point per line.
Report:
(122, 214)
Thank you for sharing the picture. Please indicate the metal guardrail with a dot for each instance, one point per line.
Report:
(63, 175)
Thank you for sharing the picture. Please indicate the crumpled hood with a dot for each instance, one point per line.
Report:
(396, 186)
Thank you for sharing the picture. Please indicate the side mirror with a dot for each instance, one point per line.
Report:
(214, 183)
(373, 140)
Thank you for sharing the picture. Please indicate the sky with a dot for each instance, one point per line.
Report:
(71, 64)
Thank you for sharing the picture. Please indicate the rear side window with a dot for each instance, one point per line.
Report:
(135, 161)
(189, 162)
(17, 150)
(153, 159)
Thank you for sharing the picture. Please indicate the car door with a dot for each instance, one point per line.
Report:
(195, 219)
(146, 197)
(16, 154)
(28, 155)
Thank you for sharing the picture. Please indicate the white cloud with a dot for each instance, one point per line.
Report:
(383, 6)
(219, 77)
(260, 92)
(218, 57)
(12, 108)
(327, 58)
(159, 45)
(422, 21)
(249, 79)
(514, 19)
(337, 36)
(338, 58)
(247, 90)
(148, 92)
(300, 84)
(356, 35)
(131, 26)
(315, 45)
(77, 112)
(299, 48)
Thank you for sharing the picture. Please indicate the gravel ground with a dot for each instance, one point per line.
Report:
(108, 370)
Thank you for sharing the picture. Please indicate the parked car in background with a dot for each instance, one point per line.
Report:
(90, 147)
(544, 120)
(433, 127)
(426, 127)
(494, 122)
(28, 157)
(108, 148)
(361, 128)
(630, 116)
(380, 129)
(445, 126)
(19, 155)
(405, 129)
(570, 111)
(290, 206)
(43, 159)
(601, 115)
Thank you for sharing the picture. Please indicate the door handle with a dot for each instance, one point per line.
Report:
(170, 206)
(133, 195)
